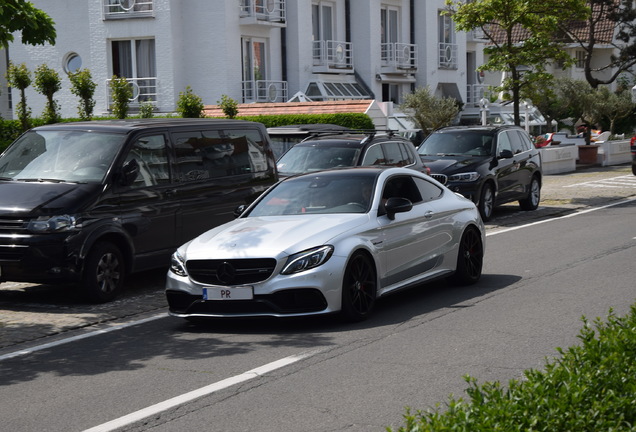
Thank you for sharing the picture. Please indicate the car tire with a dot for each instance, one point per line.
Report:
(486, 202)
(470, 258)
(104, 271)
(531, 202)
(359, 288)
(634, 169)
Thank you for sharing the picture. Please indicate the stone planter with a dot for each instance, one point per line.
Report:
(588, 154)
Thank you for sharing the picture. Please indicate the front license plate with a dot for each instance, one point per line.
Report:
(228, 293)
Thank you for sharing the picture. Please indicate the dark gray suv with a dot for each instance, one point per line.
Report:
(491, 165)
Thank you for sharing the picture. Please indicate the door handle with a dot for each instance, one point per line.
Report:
(428, 214)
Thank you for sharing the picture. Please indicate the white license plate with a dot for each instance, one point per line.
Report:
(228, 293)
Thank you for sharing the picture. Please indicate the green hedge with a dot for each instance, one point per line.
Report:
(591, 387)
(11, 129)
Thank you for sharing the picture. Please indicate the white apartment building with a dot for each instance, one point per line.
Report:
(253, 51)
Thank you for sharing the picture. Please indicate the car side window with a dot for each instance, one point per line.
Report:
(503, 142)
(428, 190)
(374, 156)
(526, 144)
(152, 158)
(407, 155)
(394, 155)
(208, 154)
(515, 142)
(401, 187)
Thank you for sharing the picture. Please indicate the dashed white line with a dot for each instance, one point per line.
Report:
(195, 394)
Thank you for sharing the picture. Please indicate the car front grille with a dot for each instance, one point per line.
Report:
(231, 272)
(442, 178)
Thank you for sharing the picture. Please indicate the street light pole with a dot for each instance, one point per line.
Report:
(483, 109)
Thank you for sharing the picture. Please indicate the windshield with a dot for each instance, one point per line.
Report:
(303, 159)
(318, 194)
(470, 143)
(65, 156)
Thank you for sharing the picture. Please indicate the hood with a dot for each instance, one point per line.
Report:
(271, 236)
(44, 198)
(453, 164)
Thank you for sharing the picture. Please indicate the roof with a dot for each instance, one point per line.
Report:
(324, 107)
(126, 125)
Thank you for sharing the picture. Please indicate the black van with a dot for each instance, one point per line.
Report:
(90, 202)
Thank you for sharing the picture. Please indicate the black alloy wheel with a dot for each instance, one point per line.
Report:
(486, 202)
(359, 288)
(470, 258)
(104, 270)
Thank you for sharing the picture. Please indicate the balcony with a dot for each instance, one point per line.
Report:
(332, 56)
(262, 12)
(144, 90)
(264, 91)
(476, 35)
(447, 56)
(121, 9)
(398, 57)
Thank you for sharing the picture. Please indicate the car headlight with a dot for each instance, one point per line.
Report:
(53, 224)
(177, 264)
(308, 259)
(464, 177)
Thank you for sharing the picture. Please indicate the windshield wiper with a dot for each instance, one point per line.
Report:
(42, 180)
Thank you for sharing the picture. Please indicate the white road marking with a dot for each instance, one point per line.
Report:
(195, 394)
(626, 180)
(79, 337)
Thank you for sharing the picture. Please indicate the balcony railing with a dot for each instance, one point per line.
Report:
(447, 56)
(266, 11)
(264, 91)
(399, 56)
(333, 54)
(144, 90)
(116, 9)
(476, 35)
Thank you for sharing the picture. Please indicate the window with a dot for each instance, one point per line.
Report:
(402, 187)
(391, 93)
(322, 21)
(150, 153)
(374, 156)
(580, 59)
(447, 43)
(428, 190)
(394, 155)
(135, 60)
(503, 143)
(72, 62)
(390, 25)
(208, 154)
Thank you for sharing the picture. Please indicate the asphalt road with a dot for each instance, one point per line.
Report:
(32, 314)
(540, 277)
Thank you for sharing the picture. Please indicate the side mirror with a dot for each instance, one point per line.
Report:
(397, 205)
(505, 154)
(129, 172)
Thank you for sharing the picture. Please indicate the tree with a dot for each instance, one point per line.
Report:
(428, 111)
(20, 78)
(121, 93)
(83, 86)
(521, 36)
(35, 26)
(609, 23)
(48, 82)
(613, 106)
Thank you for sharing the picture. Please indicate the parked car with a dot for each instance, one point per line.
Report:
(89, 202)
(491, 165)
(285, 137)
(326, 242)
(349, 149)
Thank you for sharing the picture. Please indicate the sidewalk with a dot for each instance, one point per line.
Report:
(31, 313)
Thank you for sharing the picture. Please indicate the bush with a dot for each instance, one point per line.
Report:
(121, 93)
(189, 104)
(48, 82)
(229, 106)
(83, 86)
(590, 388)
(350, 120)
(19, 77)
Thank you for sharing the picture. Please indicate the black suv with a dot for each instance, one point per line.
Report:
(491, 165)
(347, 149)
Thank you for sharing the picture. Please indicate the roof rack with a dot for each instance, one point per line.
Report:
(371, 133)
